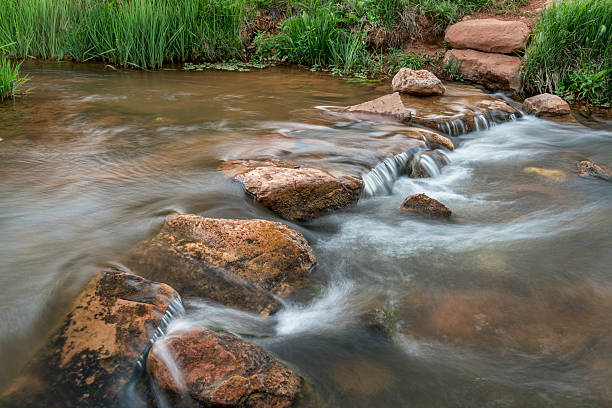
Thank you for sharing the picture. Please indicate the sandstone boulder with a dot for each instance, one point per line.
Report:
(389, 105)
(238, 263)
(421, 82)
(494, 71)
(422, 204)
(489, 35)
(220, 370)
(547, 105)
(294, 192)
(588, 168)
(93, 355)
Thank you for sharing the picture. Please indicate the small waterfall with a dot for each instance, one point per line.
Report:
(482, 122)
(381, 178)
(174, 310)
(453, 127)
(428, 163)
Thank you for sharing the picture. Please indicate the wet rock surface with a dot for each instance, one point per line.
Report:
(93, 355)
(390, 106)
(547, 105)
(421, 82)
(462, 109)
(494, 71)
(238, 263)
(588, 168)
(489, 35)
(422, 204)
(220, 370)
(292, 191)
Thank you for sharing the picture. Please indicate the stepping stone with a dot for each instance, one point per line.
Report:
(292, 191)
(238, 263)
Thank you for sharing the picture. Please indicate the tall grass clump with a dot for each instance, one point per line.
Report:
(320, 36)
(571, 52)
(10, 81)
(140, 33)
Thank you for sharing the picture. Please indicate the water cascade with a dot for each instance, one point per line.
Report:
(381, 178)
(175, 310)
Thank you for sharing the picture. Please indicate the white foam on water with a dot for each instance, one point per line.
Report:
(329, 312)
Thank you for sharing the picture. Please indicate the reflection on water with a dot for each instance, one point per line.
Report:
(505, 304)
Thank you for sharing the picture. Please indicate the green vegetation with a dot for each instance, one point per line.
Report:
(571, 52)
(137, 33)
(10, 81)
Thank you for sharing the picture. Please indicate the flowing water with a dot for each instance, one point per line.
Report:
(508, 303)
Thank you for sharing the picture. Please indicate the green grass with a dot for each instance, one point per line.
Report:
(138, 33)
(571, 52)
(10, 81)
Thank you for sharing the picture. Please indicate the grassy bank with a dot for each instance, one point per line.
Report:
(330, 34)
(10, 80)
(128, 33)
(571, 52)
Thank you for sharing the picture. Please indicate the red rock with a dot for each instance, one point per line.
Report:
(547, 105)
(389, 105)
(423, 204)
(489, 35)
(238, 263)
(294, 192)
(588, 168)
(494, 71)
(93, 355)
(221, 370)
(420, 82)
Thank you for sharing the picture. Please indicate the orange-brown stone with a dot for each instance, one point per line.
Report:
(93, 355)
(220, 370)
(238, 263)
(294, 192)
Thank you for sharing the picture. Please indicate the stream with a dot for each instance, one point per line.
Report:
(507, 304)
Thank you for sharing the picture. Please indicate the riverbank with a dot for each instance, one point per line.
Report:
(357, 39)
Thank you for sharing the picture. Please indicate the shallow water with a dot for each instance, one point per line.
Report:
(506, 304)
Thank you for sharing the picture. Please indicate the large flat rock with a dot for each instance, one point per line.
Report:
(294, 192)
(489, 35)
(92, 356)
(238, 263)
(494, 71)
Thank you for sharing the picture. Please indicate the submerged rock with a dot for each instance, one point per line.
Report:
(294, 192)
(422, 204)
(489, 35)
(550, 174)
(380, 321)
(389, 105)
(548, 106)
(554, 320)
(220, 370)
(494, 71)
(93, 355)
(588, 168)
(421, 82)
(238, 263)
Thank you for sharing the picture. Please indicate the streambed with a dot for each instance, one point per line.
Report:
(506, 304)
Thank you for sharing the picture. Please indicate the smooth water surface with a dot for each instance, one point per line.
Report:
(508, 303)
